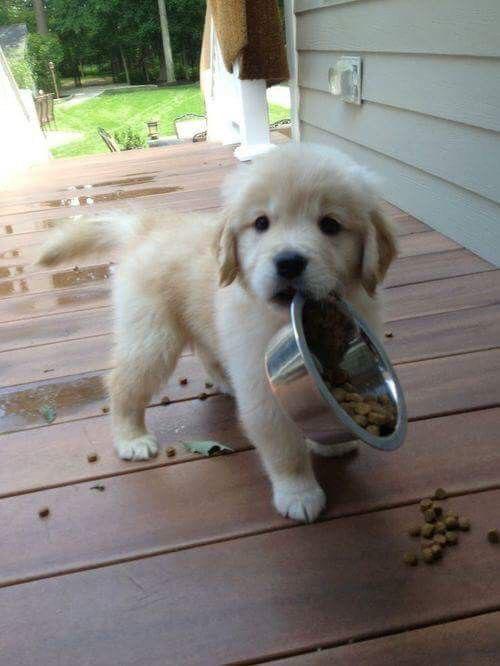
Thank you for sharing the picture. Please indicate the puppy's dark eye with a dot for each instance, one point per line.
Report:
(329, 226)
(261, 224)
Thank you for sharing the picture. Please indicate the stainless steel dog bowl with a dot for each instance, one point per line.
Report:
(303, 395)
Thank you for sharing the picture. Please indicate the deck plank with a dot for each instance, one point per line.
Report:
(433, 387)
(226, 497)
(413, 339)
(57, 328)
(448, 295)
(428, 298)
(443, 334)
(448, 643)
(85, 395)
(262, 596)
(435, 266)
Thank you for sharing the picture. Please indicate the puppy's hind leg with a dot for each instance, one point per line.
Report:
(148, 348)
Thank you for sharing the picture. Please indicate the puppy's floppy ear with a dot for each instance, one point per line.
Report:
(227, 256)
(379, 251)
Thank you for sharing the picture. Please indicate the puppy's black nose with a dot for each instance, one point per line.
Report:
(290, 264)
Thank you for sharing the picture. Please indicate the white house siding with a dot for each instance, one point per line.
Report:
(21, 140)
(430, 118)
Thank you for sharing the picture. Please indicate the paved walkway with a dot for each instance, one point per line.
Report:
(80, 95)
(56, 138)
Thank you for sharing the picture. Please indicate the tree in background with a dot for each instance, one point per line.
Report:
(122, 37)
(165, 37)
(40, 17)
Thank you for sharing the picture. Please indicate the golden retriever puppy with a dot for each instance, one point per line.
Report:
(298, 218)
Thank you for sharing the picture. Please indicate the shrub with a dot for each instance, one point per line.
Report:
(42, 49)
(129, 138)
(20, 68)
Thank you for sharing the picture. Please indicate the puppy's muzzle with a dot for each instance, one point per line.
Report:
(290, 265)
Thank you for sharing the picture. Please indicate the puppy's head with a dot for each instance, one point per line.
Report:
(302, 218)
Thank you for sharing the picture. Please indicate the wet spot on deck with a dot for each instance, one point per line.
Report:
(119, 195)
(125, 181)
(72, 277)
(70, 397)
(59, 280)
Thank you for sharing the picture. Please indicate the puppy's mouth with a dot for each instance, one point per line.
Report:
(284, 297)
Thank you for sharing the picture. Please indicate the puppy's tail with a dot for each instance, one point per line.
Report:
(85, 236)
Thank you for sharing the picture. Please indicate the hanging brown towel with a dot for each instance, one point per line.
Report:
(251, 30)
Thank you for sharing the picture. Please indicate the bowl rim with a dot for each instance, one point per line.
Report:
(387, 442)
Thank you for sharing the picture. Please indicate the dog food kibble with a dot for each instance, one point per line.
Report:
(427, 555)
(183, 381)
(411, 559)
(165, 400)
(451, 522)
(493, 536)
(464, 524)
(440, 539)
(360, 420)
(92, 457)
(451, 538)
(429, 515)
(203, 396)
(375, 418)
(321, 319)
(339, 394)
(171, 452)
(439, 527)
(208, 385)
(389, 334)
(427, 530)
(361, 408)
(348, 407)
(44, 512)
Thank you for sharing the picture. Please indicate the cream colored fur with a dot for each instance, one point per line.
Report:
(210, 281)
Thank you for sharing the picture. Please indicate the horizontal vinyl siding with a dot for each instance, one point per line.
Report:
(452, 27)
(431, 144)
(430, 116)
(468, 218)
(463, 89)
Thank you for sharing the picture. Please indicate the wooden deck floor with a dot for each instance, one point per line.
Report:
(183, 560)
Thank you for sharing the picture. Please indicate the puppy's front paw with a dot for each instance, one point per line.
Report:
(332, 450)
(141, 448)
(297, 502)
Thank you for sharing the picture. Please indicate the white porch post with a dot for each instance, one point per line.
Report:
(236, 110)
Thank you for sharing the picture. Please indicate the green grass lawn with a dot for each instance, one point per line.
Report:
(121, 109)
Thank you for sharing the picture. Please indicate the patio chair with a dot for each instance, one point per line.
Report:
(108, 140)
(189, 125)
(44, 105)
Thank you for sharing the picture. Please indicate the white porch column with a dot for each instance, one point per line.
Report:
(236, 110)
